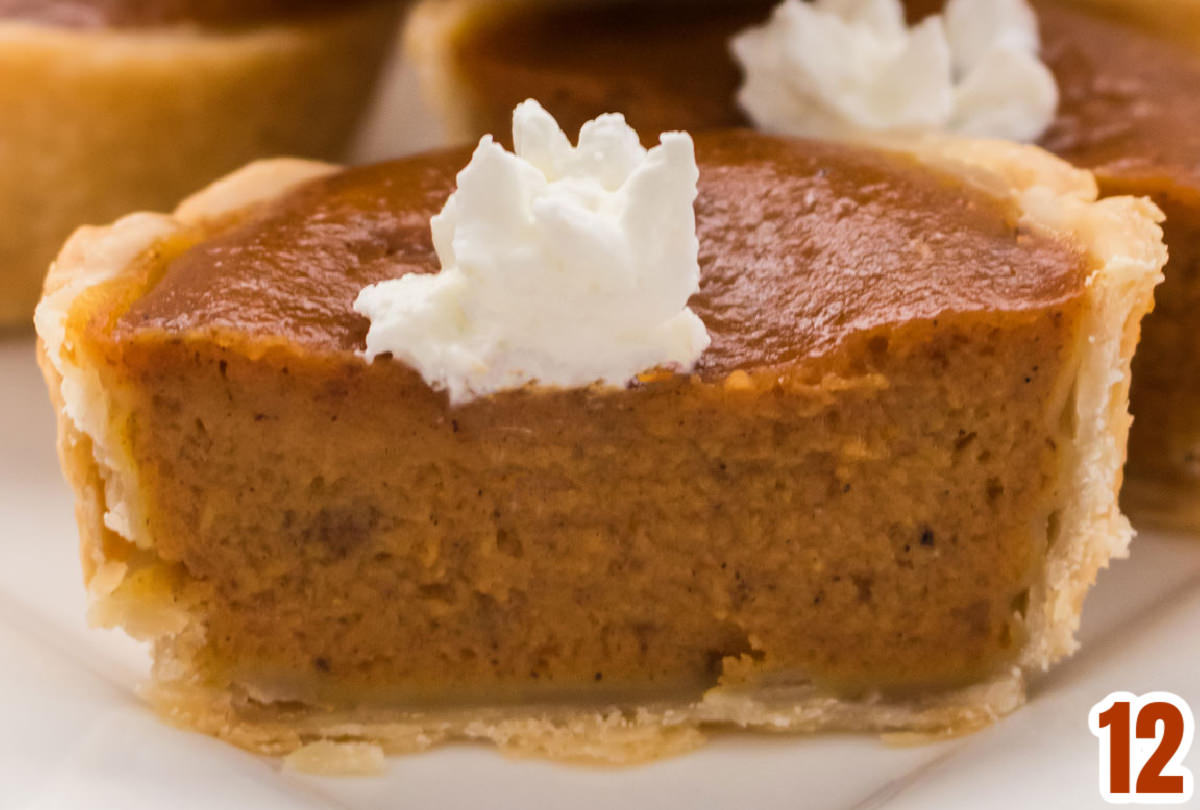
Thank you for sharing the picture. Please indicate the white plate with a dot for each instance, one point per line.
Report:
(74, 736)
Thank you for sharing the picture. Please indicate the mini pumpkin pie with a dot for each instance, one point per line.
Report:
(1128, 111)
(874, 502)
(116, 105)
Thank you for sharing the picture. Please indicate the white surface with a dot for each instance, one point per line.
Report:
(73, 735)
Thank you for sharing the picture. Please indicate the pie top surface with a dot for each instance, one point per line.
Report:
(801, 245)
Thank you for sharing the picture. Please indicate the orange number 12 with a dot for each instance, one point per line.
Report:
(1129, 726)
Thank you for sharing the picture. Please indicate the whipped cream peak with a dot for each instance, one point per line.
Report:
(560, 265)
(838, 68)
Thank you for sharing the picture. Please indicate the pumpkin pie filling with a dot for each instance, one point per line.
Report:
(547, 540)
(879, 497)
(1128, 112)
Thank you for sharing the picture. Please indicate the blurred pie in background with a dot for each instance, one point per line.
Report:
(872, 499)
(1127, 74)
(117, 105)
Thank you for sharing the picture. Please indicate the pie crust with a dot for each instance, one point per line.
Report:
(99, 122)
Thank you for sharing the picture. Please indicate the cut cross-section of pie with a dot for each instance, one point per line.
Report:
(876, 503)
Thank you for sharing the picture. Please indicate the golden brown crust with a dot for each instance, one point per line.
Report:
(99, 123)
(1119, 234)
(586, 735)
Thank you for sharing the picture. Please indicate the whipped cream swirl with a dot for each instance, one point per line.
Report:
(561, 265)
(839, 68)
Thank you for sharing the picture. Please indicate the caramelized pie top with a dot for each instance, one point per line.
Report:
(801, 245)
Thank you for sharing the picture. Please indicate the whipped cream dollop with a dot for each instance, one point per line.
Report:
(561, 265)
(835, 68)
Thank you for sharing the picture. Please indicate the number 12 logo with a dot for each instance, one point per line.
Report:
(1143, 742)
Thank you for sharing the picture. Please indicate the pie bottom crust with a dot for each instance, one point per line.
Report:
(100, 123)
(1123, 241)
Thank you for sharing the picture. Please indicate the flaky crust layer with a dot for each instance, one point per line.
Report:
(1121, 237)
(101, 122)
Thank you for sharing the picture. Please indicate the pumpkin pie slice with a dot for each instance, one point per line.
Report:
(875, 503)
(118, 105)
(1126, 72)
